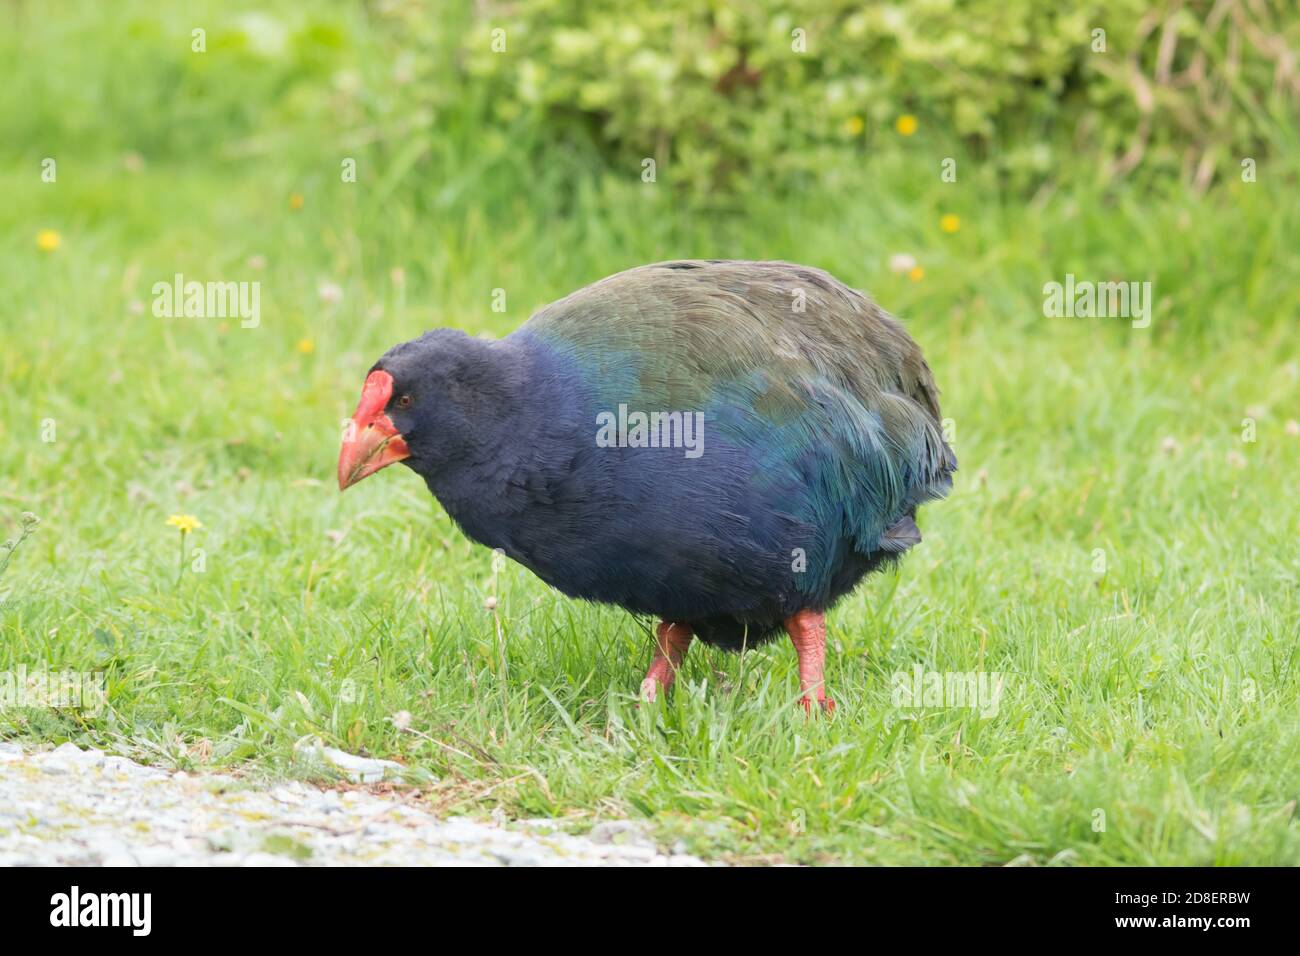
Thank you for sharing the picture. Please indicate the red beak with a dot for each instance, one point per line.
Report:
(371, 441)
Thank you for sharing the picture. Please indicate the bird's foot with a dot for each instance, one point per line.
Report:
(807, 631)
(671, 642)
(825, 705)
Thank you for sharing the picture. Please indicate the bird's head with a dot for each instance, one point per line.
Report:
(418, 405)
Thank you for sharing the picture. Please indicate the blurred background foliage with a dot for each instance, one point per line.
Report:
(506, 143)
(738, 95)
(725, 97)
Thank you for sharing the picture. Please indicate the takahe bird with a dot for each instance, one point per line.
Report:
(727, 446)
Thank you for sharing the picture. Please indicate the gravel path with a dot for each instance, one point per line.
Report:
(69, 806)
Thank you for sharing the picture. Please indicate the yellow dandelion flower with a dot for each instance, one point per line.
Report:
(905, 124)
(47, 240)
(296, 201)
(950, 223)
(916, 274)
(186, 523)
(854, 125)
(306, 346)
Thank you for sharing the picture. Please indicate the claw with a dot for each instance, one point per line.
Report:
(827, 705)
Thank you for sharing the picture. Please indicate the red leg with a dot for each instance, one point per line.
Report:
(807, 630)
(671, 642)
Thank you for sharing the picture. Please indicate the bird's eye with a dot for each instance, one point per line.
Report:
(404, 401)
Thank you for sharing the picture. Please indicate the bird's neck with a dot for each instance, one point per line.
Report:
(509, 459)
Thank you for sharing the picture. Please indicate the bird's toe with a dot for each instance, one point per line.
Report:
(649, 690)
(824, 704)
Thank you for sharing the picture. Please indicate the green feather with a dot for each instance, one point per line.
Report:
(819, 365)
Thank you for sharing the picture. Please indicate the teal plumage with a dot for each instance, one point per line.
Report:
(828, 390)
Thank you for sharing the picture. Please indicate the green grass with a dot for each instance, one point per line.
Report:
(1158, 697)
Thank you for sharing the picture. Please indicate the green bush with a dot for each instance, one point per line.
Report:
(727, 98)
(744, 95)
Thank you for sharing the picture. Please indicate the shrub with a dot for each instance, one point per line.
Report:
(745, 95)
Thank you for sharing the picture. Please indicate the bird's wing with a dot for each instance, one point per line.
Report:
(786, 360)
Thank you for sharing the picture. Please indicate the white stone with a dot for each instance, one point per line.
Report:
(357, 769)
